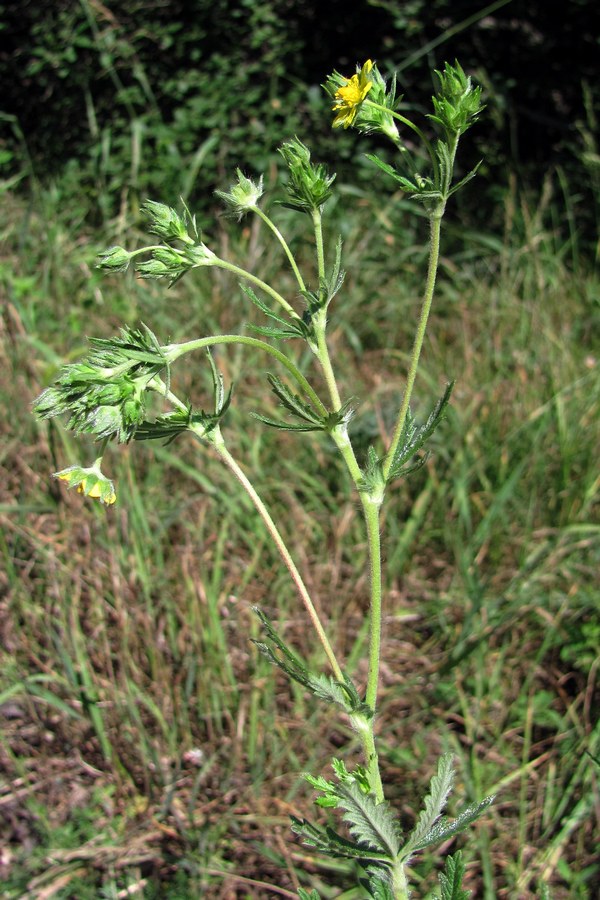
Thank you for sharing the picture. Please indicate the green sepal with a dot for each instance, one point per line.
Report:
(104, 394)
(168, 224)
(325, 687)
(457, 104)
(309, 185)
(451, 879)
(414, 436)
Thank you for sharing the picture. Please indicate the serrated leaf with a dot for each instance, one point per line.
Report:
(385, 167)
(325, 687)
(369, 822)
(379, 887)
(294, 403)
(451, 879)
(414, 436)
(434, 803)
(464, 180)
(293, 329)
(333, 844)
(284, 426)
(261, 305)
(444, 829)
(279, 333)
(305, 895)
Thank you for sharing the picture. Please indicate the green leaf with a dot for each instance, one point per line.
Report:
(379, 887)
(451, 879)
(333, 844)
(414, 436)
(445, 829)
(305, 895)
(385, 167)
(439, 789)
(325, 687)
(311, 420)
(369, 822)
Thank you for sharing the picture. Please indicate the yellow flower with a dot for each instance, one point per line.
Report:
(350, 96)
(89, 481)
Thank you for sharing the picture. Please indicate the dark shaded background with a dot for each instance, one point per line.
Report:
(248, 73)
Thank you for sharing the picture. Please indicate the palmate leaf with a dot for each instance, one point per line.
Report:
(439, 789)
(325, 687)
(451, 879)
(328, 841)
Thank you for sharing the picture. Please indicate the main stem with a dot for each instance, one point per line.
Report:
(371, 516)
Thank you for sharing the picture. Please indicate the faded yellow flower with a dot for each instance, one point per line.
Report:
(89, 481)
(349, 96)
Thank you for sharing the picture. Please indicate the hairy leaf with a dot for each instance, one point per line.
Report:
(414, 436)
(369, 822)
(379, 887)
(333, 844)
(451, 879)
(444, 829)
(324, 687)
(435, 801)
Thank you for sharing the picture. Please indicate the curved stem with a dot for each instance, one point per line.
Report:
(434, 253)
(174, 351)
(270, 224)
(409, 124)
(248, 276)
(216, 440)
(234, 468)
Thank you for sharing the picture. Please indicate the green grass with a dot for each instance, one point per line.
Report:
(129, 688)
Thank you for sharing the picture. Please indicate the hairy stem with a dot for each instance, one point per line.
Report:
(234, 468)
(174, 351)
(270, 224)
(434, 253)
(248, 276)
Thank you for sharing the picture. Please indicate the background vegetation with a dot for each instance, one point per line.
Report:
(145, 747)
